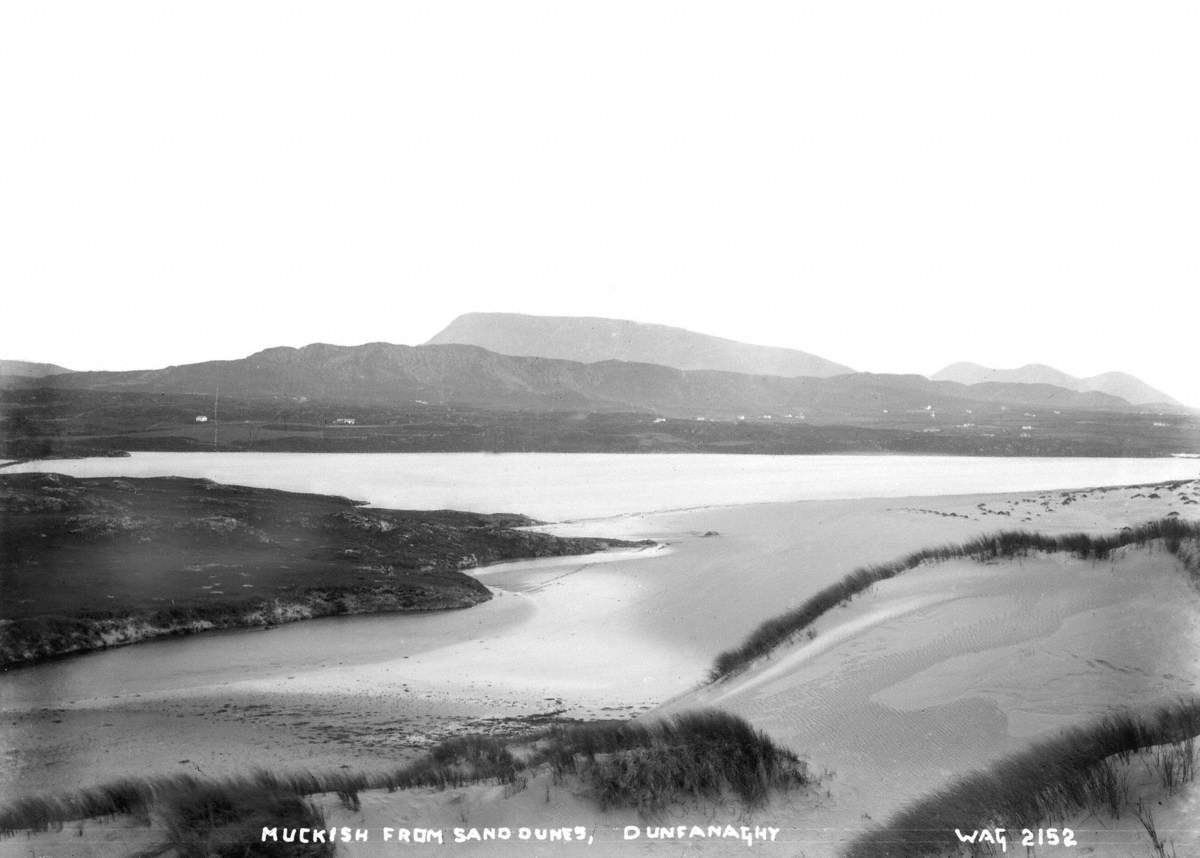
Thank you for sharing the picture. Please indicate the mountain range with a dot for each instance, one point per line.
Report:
(589, 340)
(459, 397)
(462, 375)
(1120, 384)
(513, 362)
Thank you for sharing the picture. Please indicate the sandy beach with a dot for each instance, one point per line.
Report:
(947, 666)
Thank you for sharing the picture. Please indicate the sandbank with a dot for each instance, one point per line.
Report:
(944, 667)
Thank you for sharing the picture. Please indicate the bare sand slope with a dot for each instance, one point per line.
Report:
(953, 665)
(943, 666)
(710, 591)
(599, 636)
(621, 633)
(604, 636)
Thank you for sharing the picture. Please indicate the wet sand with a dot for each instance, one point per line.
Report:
(938, 658)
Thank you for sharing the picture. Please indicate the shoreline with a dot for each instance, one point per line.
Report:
(546, 487)
(103, 634)
(89, 635)
(933, 662)
(614, 638)
(105, 562)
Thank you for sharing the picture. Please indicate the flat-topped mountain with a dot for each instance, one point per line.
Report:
(1120, 384)
(588, 340)
(28, 369)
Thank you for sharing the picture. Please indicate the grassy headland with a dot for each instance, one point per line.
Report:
(1180, 537)
(90, 563)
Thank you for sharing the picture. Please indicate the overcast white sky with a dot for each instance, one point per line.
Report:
(891, 185)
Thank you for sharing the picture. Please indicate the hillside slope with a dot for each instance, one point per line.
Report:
(1120, 384)
(381, 373)
(590, 339)
(29, 369)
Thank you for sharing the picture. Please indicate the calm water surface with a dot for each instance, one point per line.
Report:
(568, 486)
(552, 487)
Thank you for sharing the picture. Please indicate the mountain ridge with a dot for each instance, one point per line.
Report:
(381, 373)
(1121, 384)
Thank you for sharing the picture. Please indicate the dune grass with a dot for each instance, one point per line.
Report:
(1078, 770)
(1182, 538)
(182, 799)
(214, 820)
(201, 818)
(648, 767)
(694, 755)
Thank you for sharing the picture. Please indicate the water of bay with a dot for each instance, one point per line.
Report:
(568, 486)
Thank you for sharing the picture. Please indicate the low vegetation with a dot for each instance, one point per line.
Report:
(1081, 770)
(199, 818)
(696, 755)
(38, 423)
(1182, 538)
(90, 563)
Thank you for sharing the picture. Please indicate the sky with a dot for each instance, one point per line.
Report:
(893, 186)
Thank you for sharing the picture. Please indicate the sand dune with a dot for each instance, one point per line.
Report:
(944, 667)
(951, 666)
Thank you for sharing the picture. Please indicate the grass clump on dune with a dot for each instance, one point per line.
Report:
(1182, 538)
(694, 755)
(1079, 770)
(226, 819)
(201, 818)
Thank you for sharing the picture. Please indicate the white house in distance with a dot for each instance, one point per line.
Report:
(201, 418)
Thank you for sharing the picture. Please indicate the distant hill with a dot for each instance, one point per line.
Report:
(1128, 387)
(588, 340)
(27, 369)
(394, 375)
(1120, 384)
